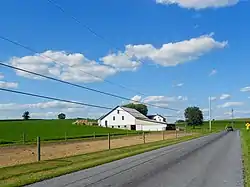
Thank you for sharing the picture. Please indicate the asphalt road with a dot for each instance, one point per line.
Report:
(211, 161)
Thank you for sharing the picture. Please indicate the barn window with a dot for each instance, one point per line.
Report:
(125, 126)
(122, 117)
(118, 111)
(112, 126)
(118, 126)
(113, 118)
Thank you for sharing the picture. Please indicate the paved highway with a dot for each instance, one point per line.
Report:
(211, 161)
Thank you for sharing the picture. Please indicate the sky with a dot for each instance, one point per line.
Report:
(168, 53)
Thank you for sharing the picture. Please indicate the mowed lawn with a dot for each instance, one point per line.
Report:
(12, 131)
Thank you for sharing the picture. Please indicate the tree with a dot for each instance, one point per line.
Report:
(139, 107)
(194, 116)
(61, 116)
(26, 115)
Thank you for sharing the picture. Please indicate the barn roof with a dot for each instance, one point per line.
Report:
(131, 111)
(134, 113)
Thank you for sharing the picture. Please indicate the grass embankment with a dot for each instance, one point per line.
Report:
(49, 130)
(245, 139)
(30, 173)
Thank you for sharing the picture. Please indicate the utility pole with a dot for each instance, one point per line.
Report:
(232, 123)
(210, 122)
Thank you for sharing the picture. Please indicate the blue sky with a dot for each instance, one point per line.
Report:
(178, 53)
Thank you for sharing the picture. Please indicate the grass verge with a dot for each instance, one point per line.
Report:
(245, 139)
(30, 173)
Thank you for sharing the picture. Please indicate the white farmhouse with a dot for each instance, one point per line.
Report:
(127, 118)
(157, 117)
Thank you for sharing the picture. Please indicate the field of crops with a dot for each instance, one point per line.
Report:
(220, 124)
(15, 131)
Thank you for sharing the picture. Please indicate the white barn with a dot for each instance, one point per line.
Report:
(131, 119)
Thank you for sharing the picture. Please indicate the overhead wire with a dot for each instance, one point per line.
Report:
(53, 98)
(66, 82)
(61, 100)
(100, 37)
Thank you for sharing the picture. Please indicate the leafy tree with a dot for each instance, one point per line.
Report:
(139, 107)
(194, 116)
(61, 116)
(26, 115)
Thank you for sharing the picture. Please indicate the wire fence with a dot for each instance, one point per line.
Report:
(41, 149)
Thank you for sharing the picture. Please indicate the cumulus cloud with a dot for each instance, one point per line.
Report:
(4, 84)
(199, 4)
(164, 100)
(225, 96)
(245, 89)
(213, 72)
(230, 104)
(73, 67)
(136, 98)
(173, 54)
(121, 62)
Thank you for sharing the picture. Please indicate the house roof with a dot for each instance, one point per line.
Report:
(153, 121)
(152, 116)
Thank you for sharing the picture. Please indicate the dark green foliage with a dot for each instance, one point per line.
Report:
(194, 116)
(26, 115)
(61, 116)
(139, 107)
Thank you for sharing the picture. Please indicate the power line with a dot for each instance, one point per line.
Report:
(96, 35)
(53, 98)
(80, 86)
(61, 100)
(53, 60)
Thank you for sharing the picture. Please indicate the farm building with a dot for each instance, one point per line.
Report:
(127, 118)
(157, 117)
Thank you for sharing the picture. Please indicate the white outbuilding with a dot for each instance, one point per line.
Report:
(131, 119)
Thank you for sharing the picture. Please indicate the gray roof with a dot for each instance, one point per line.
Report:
(134, 113)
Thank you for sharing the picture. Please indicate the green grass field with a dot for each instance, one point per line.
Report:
(12, 131)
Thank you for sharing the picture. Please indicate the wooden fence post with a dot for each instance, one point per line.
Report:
(143, 136)
(163, 135)
(176, 134)
(24, 138)
(109, 141)
(94, 135)
(65, 136)
(38, 149)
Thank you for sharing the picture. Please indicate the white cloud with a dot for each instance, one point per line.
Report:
(213, 72)
(136, 98)
(199, 4)
(205, 110)
(121, 61)
(245, 89)
(42, 105)
(69, 67)
(163, 100)
(4, 84)
(44, 114)
(1, 76)
(179, 85)
(213, 98)
(173, 54)
(230, 104)
(225, 96)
